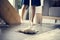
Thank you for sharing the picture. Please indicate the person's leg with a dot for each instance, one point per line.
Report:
(23, 11)
(34, 3)
(33, 13)
(25, 4)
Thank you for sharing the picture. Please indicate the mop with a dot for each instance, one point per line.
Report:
(29, 30)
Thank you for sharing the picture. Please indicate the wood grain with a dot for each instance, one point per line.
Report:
(9, 13)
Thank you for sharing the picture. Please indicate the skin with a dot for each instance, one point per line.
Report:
(33, 12)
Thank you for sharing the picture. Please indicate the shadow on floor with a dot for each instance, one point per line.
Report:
(57, 26)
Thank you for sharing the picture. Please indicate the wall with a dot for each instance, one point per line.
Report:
(45, 12)
(54, 11)
(50, 11)
(45, 8)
